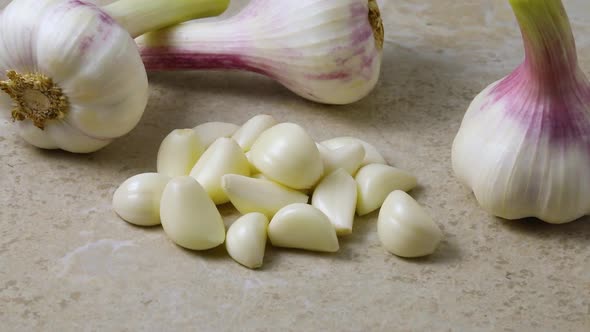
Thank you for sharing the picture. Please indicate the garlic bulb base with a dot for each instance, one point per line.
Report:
(35, 97)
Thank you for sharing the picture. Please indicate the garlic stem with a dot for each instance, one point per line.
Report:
(550, 47)
(139, 16)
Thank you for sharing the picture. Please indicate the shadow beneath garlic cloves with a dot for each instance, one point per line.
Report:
(577, 231)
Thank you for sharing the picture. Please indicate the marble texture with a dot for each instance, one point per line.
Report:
(67, 263)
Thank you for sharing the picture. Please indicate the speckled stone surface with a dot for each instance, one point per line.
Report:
(67, 263)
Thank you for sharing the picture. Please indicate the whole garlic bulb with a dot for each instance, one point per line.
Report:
(71, 71)
(524, 144)
(327, 51)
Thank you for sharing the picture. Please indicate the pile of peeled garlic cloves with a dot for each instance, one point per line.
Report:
(288, 188)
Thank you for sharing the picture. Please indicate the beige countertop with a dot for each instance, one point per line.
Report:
(67, 263)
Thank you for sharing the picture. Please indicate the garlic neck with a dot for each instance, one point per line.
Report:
(550, 49)
(35, 98)
(140, 16)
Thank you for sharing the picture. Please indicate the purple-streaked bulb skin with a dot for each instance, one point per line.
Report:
(524, 143)
(325, 51)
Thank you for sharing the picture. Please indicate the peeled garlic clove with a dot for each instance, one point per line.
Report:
(137, 200)
(286, 154)
(223, 157)
(348, 157)
(179, 152)
(376, 181)
(209, 132)
(372, 155)
(251, 130)
(253, 169)
(246, 240)
(302, 226)
(257, 195)
(336, 197)
(189, 216)
(405, 229)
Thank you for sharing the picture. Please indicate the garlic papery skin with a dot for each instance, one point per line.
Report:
(251, 130)
(302, 226)
(259, 195)
(286, 154)
(372, 155)
(336, 197)
(189, 216)
(376, 181)
(523, 146)
(223, 157)
(326, 51)
(71, 76)
(179, 152)
(137, 200)
(209, 132)
(405, 229)
(347, 157)
(246, 240)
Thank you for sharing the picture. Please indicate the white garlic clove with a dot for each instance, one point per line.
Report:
(137, 200)
(405, 229)
(246, 240)
(223, 157)
(209, 132)
(257, 195)
(179, 152)
(253, 169)
(372, 155)
(302, 226)
(376, 181)
(336, 197)
(286, 154)
(348, 157)
(189, 216)
(251, 130)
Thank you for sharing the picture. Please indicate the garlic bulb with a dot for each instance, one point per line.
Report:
(327, 51)
(336, 197)
(524, 144)
(302, 226)
(259, 195)
(405, 229)
(189, 216)
(137, 200)
(251, 130)
(372, 155)
(179, 152)
(71, 72)
(223, 157)
(246, 240)
(209, 132)
(286, 154)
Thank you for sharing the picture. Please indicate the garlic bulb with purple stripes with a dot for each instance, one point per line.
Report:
(524, 144)
(327, 51)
